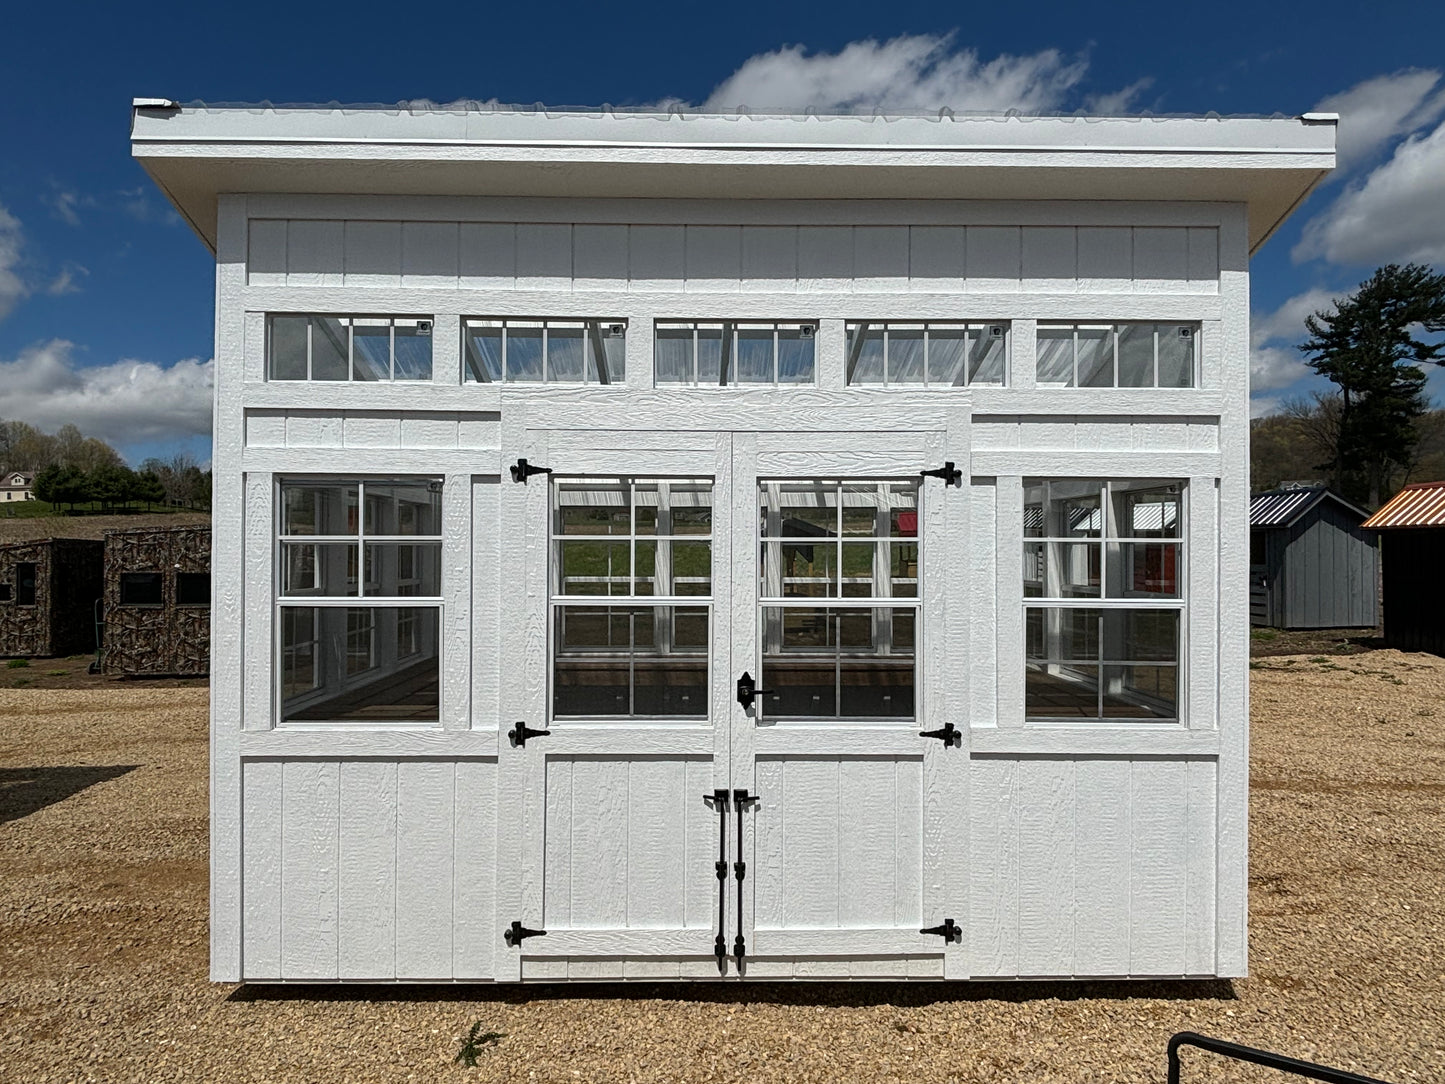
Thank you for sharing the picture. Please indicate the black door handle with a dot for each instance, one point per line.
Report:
(748, 691)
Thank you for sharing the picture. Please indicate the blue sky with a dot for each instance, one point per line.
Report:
(106, 298)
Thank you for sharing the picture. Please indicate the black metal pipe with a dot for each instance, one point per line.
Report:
(1260, 1057)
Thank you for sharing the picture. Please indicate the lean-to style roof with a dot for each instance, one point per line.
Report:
(1281, 507)
(1419, 505)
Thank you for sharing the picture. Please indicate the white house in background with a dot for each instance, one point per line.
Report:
(680, 546)
(16, 486)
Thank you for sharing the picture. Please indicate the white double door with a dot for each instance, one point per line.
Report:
(663, 826)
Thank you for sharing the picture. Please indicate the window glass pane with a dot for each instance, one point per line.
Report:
(318, 568)
(1176, 356)
(835, 663)
(1096, 357)
(330, 352)
(140, 589)
(692, 568)
(805, 510)
(319, 508)
(412, 347)
(688, 508)
(946, 349)
(288, 347)
(371, 349)
(1140, 692)
(903, 569)
(404, 508)
(360, 664)
(710, 353)
(856, 569)
(612, 661)
(865, 510)
(399, 569)
(905, 354)
(795, 355)
(806, 569)
(1035, 569)
(1136, 356)
(613, 338)
(595, 568)
(524, 352)
(1073, 570)
(565, 352)
(1151, 511)
(193, 588)
(986, 355)
(868, 366)
(1055, 357)
(1143, 568)
(484, 351)
(754, 354)
(592, 508)
(672, 353)
(1061, 692)
(1141, 635)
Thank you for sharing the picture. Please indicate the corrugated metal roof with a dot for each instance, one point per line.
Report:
(1281, 507)
(1418, 505)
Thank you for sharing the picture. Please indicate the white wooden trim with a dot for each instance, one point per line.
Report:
(1165, 740)
(1075, 463)
(338, 742)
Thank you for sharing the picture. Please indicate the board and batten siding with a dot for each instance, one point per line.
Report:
(732, 259)
(355, 854)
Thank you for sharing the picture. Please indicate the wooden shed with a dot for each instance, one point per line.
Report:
(663, 546)
(48, 591)
(1412, 549)
(157, 601)
(1312, 565)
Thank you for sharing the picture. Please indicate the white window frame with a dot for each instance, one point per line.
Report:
(728, 363)
(596, 331)
(1194, 327)
(424, 324)
(856, 330)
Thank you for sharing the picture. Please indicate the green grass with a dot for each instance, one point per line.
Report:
(473, 1043)
(43, 509)
(17, 664)
(20, 683)
(56, 673)
(1264, 636)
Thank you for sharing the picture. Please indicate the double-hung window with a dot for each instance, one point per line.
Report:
(363, 348)
(631, 597)
(934, 354)
(1131, 355)
(359, 600)
(1103, 566)
(732, 353)
(838, 598)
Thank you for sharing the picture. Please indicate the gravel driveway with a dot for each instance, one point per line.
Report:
(103, 933)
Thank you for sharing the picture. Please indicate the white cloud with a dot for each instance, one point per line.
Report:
(122, 403)
(65, 282)
(910, 72)
(64, 203)
(1378, 110)
(1120, 101)
(12, 287)
(1394, 216)
(1274, 362)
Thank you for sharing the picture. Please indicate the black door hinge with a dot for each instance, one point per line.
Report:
(950, 474)
(522, 470)
(949, 931)
(947, 733)
(518, 933)
(521, 732)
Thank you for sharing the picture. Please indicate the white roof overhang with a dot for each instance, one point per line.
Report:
(196, 152)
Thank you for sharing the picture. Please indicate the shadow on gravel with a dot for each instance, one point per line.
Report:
(25, 790)
(732, 992)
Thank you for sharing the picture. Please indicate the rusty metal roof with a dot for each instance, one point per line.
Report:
(1419, 505)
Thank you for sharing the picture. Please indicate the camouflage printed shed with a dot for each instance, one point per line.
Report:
(48, 591)
(158, 601)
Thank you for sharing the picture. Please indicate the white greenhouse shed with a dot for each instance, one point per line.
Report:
(671, 546)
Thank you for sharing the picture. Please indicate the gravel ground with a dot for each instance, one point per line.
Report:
(24, 528)
(103, 933)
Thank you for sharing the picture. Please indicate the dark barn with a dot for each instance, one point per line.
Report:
(157, 601)
(48, 591)
(1412, 545)
(1312, 565)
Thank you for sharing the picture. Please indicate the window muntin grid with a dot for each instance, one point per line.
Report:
(1118, 355)
(359, 600)
(929, 354)
(631, 597)
(1103, 599)
(563, 351)
(732, 353)
(838, 598)
(349, 348)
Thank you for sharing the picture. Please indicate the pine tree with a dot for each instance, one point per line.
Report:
(1368, 345)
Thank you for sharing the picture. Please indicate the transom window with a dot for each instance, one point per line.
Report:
(350, 348)
(838, 598)
(1133, 355)
(631, 597)
(1103, 600)
(733, 354)
(545, 351)
(934, 354)
(359, 600)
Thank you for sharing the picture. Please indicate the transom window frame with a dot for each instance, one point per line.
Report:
(729, 350)
(1195, 328)
(425, 327)
(856, 337)
(597, 364)
(359, 600)
(1104, 602)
